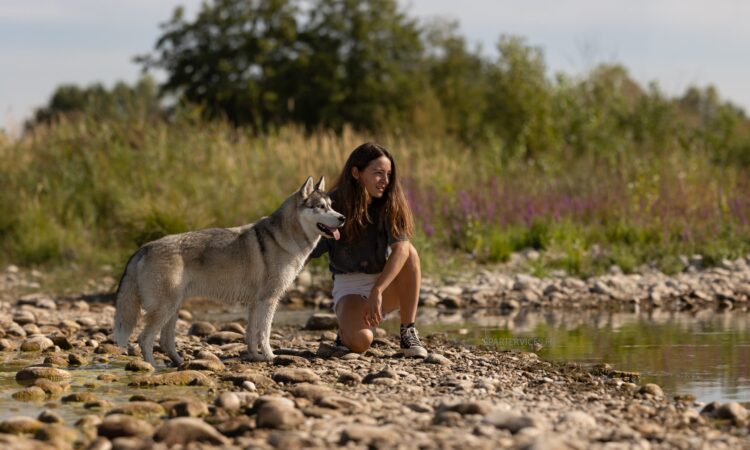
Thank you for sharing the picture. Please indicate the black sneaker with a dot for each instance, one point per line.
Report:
(339, 344)
(410, 343)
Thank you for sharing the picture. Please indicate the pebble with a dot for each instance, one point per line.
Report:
(181, 378)
(339, 402)
(36, 344)
(508, 420)
(450, 301)
(139, 409)
(20, 425)
(313, 392)
(189, 408)
(6, 345)
(79, 397)
(30, 394)
(63, 342)
(24, 317)
(263, 399)
(278, 415)
(578, 419)
(295, 375)
(290, 360)
(56, 360)
(369, 435)
(349, 378)
(138, 365)
(100, 443)
(322, 321)
(50, 387)
(108, 349)
(119, 425)
(467, 407)
(234, 327)
(58, 435)
(434, 358)
(652, 389)
(229, 401)
(386, 373)
(48, 416)
(210, 365)
(29, 374)
(225, 337)
(733, 411)
(184, 430)
(256, 378)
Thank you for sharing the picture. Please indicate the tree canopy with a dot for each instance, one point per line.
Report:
(327, 64)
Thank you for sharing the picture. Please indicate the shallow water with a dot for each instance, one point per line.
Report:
(706, 354)
(82, 379)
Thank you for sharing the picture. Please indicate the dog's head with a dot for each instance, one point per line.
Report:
(316, 211)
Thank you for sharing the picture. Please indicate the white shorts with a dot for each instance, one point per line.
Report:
(353, 283)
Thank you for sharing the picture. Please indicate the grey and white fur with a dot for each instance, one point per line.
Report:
(252, 264)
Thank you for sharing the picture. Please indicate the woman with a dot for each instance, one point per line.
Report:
(375, 267)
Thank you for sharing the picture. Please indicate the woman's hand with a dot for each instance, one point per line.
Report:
(374, 307)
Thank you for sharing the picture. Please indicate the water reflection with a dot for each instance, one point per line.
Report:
(706, 353)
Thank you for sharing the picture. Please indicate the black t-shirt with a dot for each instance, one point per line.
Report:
(367, 254)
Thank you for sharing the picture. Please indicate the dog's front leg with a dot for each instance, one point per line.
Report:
(266, 312)
(251, 332)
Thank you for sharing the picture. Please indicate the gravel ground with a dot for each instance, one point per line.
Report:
(314, 396)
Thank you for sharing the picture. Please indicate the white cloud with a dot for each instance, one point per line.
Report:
(92, 11)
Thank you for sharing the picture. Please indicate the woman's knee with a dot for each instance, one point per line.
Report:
(413, 261)
(359, 340)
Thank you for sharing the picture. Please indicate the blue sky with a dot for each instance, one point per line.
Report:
(676, 43)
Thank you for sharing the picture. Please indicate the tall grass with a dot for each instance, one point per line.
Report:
(88, 192)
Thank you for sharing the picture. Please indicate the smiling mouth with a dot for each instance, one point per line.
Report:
(329, 231)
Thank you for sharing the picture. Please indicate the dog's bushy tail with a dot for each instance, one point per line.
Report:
(128, 306)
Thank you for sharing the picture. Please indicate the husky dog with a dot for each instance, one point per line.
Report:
(251, 264)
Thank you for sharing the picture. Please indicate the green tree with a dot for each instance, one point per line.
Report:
(233, 59)
(716, 126)
(459, 78)
(519, 98)
(268, 62)
(140, 101)
(363, 65)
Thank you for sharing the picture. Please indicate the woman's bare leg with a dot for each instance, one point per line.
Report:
(402, 294)
(354, 332)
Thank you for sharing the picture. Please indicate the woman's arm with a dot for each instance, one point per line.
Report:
(394, 264)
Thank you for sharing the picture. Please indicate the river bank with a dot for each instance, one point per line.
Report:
(506, 287)
(71, 388)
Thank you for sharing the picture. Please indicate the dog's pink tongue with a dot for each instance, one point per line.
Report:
(336, 234)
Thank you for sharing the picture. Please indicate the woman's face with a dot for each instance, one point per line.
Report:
(375, 177)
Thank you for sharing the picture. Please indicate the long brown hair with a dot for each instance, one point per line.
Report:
(350, 196)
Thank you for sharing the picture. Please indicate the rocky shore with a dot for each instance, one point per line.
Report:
(722, 287)
(76, 389)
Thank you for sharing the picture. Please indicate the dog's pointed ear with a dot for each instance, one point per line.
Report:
(321, 186)
(307, 188)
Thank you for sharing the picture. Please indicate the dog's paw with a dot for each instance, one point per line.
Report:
(257, 357)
